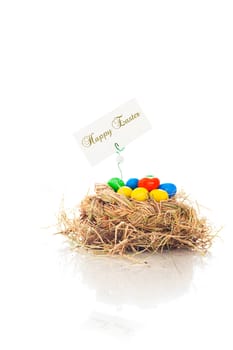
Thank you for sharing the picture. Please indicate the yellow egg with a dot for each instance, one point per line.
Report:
(159, 195)
(125, 190)
(140, 194)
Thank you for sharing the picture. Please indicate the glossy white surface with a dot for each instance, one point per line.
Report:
(62, 65)
(55, 297)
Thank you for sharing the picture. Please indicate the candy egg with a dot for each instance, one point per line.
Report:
(115, 183)
(159, 195)
(169, 188)
(132, 183)
(125, 190)
(150, 183)
(140, 194)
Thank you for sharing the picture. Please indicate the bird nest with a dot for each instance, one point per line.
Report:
(110, 223)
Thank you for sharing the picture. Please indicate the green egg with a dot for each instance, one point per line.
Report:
(115, 183)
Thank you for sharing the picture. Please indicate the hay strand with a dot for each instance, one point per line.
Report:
(110, 223)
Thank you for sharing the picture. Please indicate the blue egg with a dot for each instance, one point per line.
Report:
(132, 183)
(169, 188)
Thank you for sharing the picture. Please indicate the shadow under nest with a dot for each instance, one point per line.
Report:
(110, 223)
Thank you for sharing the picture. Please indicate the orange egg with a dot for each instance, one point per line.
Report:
(150, 183)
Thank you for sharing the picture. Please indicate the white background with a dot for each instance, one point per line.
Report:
(64, 64)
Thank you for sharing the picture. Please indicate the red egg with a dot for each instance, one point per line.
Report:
(150, 183)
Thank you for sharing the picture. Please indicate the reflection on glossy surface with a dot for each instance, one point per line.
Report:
(111, 323)
(120, 282)
(123, 296)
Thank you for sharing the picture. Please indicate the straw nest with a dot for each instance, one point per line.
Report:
(110, 223)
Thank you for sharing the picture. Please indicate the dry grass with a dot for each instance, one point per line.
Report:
(109, 223)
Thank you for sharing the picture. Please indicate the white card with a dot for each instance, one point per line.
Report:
(120, 126)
